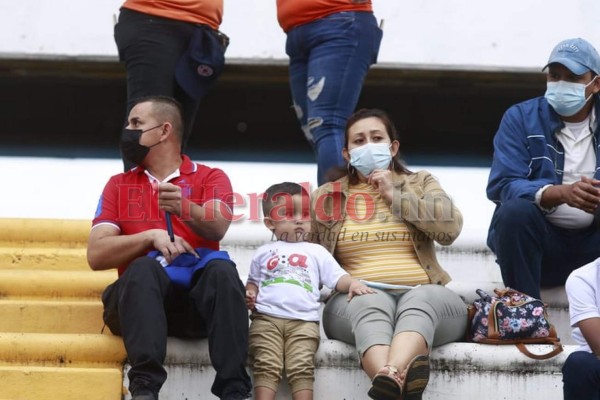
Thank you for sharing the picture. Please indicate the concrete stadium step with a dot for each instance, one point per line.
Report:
(52, 301)
(46, 258)
(61, 366)
(61, 350)
(470, 269)
(56, 383)
(459, 371)
(56, 316)
(50, 316)
(64, 233)
(55, 284)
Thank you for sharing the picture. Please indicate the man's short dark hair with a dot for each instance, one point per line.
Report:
(165, 109)
(274, 192)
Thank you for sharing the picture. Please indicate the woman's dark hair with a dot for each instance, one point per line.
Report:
(397, 163)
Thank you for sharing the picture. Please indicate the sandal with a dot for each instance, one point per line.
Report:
(417, 377)
(386, 384)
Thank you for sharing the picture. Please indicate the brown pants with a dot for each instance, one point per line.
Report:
(278, 343)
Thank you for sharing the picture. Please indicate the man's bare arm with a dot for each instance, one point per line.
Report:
(107, 248)
(590, 328)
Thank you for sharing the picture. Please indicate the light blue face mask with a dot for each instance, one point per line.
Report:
(371, 156)
(567, 98)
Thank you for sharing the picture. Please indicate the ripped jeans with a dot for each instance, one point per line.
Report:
(329, 59)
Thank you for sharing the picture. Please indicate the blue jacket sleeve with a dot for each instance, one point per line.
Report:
(510, 175)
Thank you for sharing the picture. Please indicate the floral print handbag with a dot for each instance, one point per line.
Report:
(512, 317)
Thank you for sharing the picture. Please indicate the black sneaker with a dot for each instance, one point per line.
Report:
(237, 396)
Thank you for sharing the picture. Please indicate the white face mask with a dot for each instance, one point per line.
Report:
(371, 156)
(567, 98)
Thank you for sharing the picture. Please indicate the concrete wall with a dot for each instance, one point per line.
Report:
(467, 34)
(52, 195)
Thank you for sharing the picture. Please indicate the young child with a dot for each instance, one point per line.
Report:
(283, 292)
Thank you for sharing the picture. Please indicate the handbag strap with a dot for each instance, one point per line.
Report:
(556, 350)
(492, 328)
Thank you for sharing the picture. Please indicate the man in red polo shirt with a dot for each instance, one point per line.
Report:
(145, 305)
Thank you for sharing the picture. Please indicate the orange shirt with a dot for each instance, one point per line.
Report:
(292, 13)
(209, 12)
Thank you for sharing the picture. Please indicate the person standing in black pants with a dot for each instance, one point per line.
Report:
(171, 49)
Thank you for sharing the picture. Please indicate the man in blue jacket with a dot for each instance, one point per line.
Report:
(545, 176)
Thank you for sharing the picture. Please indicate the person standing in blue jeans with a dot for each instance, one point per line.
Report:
(581, 371)
(331, 44)
(545, 175)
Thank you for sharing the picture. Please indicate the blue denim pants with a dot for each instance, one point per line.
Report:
(329, 59)
(533, 253)
(581, 376)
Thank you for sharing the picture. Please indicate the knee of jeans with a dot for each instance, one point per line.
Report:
(326, 124)
(307, 134)
(311, 129)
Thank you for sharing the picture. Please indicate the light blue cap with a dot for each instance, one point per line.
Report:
(578, 55)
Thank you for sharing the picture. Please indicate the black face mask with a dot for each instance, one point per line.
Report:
(131, 149)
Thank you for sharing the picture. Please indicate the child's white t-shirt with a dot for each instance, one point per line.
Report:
(289, 276)
(583, 291)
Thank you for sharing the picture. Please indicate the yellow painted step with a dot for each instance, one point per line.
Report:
(32, 256)
(67, 233)
(31, 284)
(61, 350)
(55, 383)
(51, 316)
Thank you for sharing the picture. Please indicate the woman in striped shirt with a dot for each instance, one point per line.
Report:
(380, 221)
